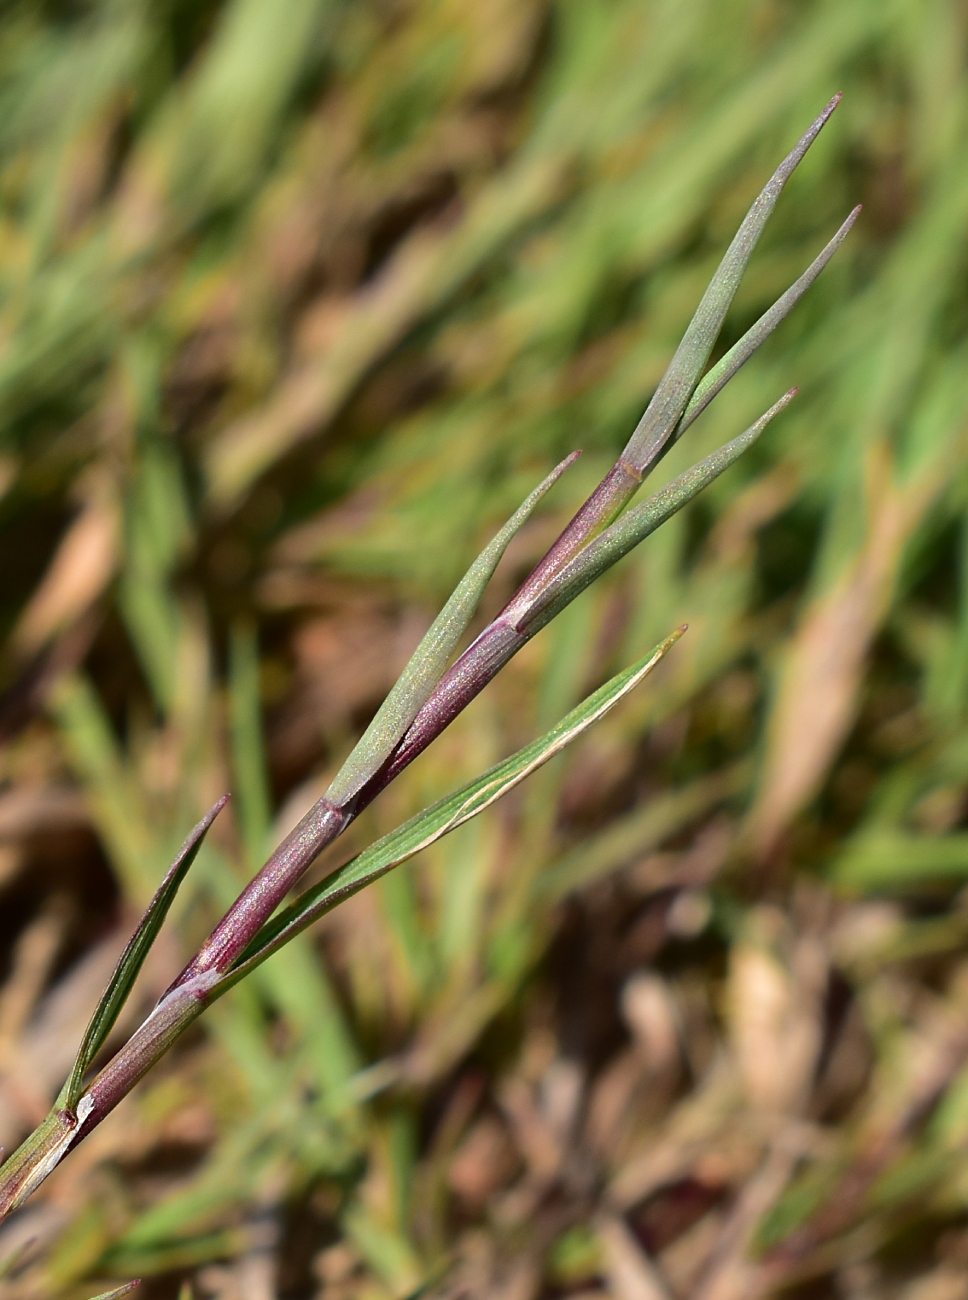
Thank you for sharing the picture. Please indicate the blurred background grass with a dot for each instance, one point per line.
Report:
(298, 298)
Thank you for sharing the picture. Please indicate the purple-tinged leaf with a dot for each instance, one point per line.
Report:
(636, 524)
(671, 411)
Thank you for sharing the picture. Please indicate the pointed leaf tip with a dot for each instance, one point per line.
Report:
(660, 422)
(716, 379)
(811, 133)
(118, 1291)
(431, 658)
(133, 958)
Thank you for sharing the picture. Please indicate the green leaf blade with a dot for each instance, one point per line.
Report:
(132, 960)
(678, 383)
(716, 379)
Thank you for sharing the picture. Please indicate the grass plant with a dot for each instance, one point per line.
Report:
(297, 304)
(430, 693)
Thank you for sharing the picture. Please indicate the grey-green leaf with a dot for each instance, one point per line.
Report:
(716, 379)
(636, 524)
(118, 1291)
(131, 961)
(430, 659)
(434, 822)
(676, 387)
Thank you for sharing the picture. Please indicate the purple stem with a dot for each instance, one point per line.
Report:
(509, 631)
(477, 666)
(265, 891)
(189, 994)
(616, 488)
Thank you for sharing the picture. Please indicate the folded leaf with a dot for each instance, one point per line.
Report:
(430, 659)
(433, 823)
(131, 961)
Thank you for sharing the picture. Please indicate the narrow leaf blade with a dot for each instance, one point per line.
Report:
(676, 387)
(118, 1291)
(431, 657)
(132, 959)
(435, 822)
(716, 379)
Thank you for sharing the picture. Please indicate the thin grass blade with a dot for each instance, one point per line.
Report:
(433, 823)
(132, 959)
(636, 524)
(671, 397)
(118, 1291)
(716, 379)
(430, 659)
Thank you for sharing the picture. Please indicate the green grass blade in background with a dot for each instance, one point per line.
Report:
(248, 750)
